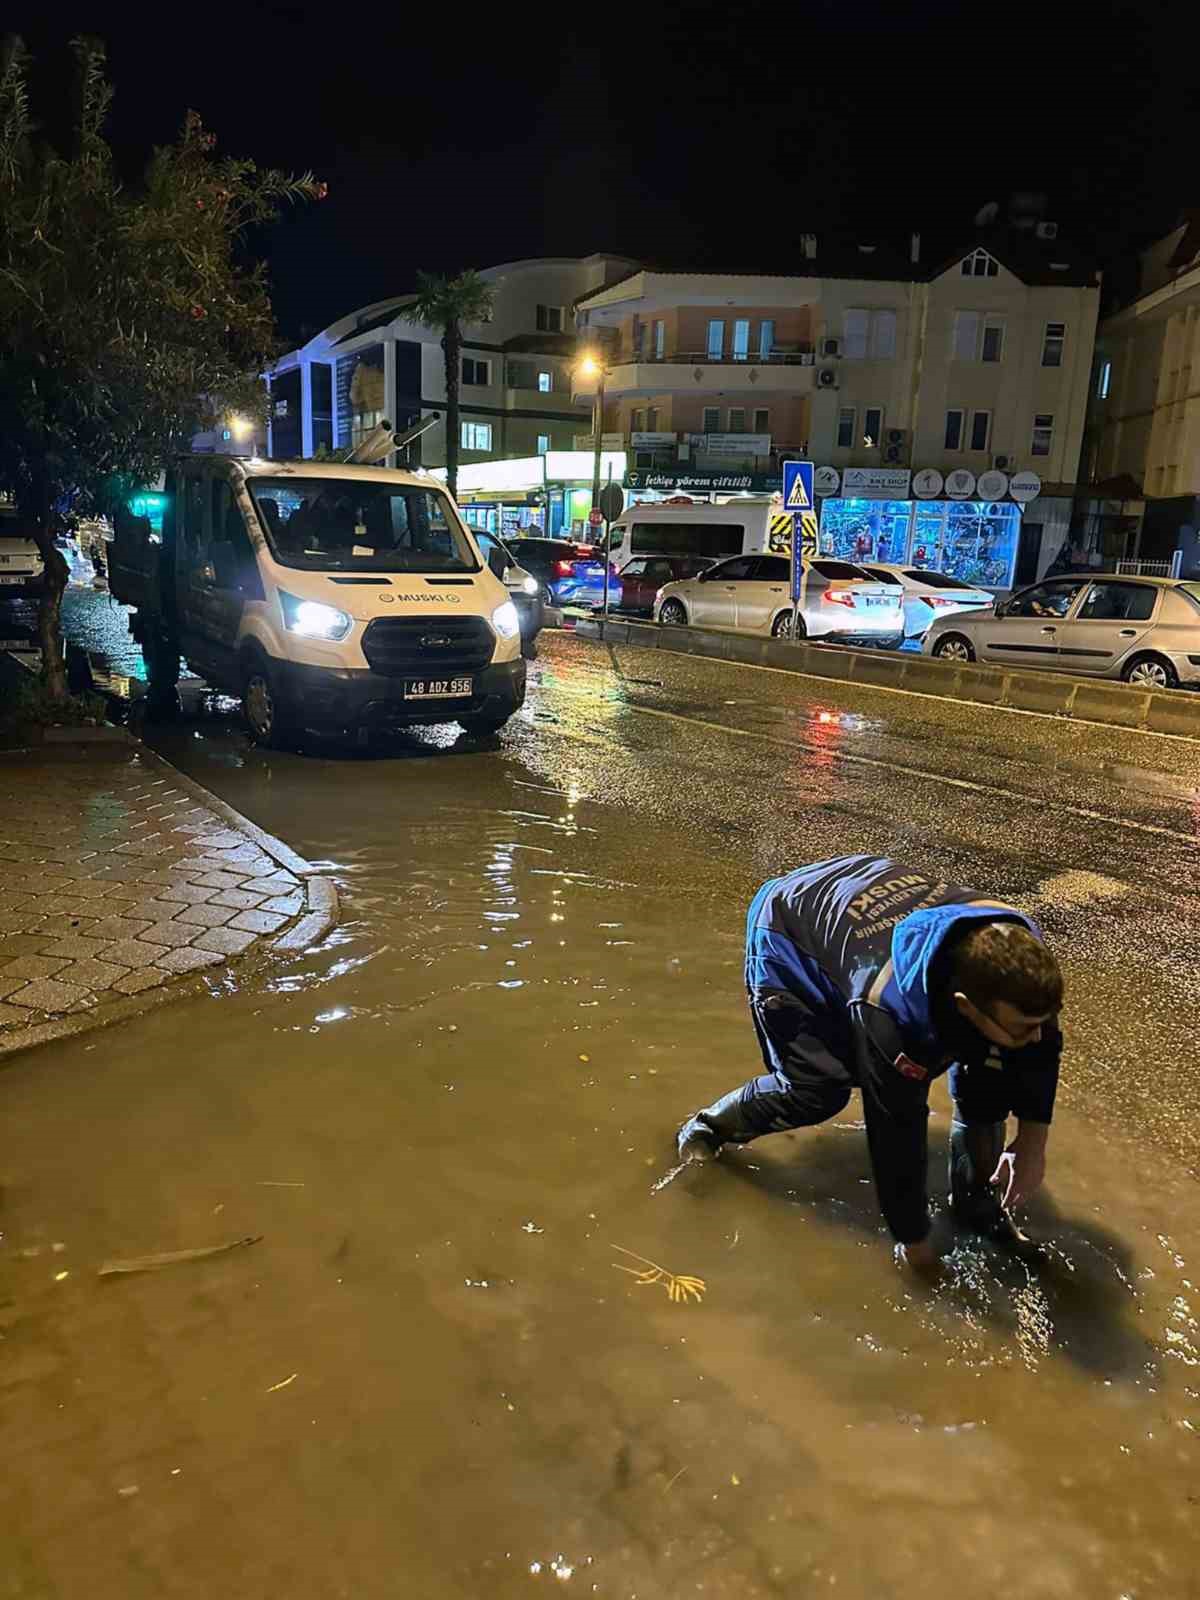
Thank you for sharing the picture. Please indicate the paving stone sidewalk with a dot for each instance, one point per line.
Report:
(120, 877)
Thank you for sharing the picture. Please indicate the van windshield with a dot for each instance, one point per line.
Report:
(353, 525)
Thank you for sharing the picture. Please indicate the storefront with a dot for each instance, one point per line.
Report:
(551, 493)
(975, 540)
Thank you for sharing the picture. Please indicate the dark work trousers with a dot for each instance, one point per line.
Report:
(806, 1082)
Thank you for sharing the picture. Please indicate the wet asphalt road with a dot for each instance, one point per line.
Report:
(448, 1124)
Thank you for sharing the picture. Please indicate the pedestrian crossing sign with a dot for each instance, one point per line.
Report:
(797, 486)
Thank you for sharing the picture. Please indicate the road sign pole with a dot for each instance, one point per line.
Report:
(607, 543)
(798, 499)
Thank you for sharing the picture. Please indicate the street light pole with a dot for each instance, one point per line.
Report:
(597, 430)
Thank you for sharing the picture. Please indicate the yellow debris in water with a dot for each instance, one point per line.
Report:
(680, 1287)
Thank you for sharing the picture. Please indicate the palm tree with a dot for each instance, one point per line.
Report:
(448, 303)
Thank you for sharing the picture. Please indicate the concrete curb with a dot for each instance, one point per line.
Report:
(320, 896)
(1169, 711)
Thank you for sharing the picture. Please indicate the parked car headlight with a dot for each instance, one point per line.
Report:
(529, 586)
(312, 619)
(505, 620)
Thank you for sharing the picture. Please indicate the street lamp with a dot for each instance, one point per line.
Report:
(592, 366)
(241, 428)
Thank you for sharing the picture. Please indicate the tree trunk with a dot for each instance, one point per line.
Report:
(452, 347)
(54, 581)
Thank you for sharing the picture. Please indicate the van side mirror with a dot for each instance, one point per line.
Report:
(497, 562)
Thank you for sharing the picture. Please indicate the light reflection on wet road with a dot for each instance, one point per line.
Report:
(443, 1120)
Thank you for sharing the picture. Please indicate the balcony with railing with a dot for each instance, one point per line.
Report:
(784, 369)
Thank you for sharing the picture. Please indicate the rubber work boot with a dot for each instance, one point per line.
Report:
(974, 1152)
(703, 1136)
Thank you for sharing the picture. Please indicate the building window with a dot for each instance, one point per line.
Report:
(981, 428)
(980, 265)
(1043, 433)
(716, 340)
(545, 382)
(1052, 344)
(475, 435)
(845, 431)
(1104, 378)
(712, 420)
(660, 340)
(476, 372)
(992, 348)
(741, 339)
(762, 420)
(550, 319)
(966, 335)
(855, 326)
(737, 419)
(872, 427)
(766, 338)
(883, 336)
(637, 420)
(543, 444)
(651, 419)
(954, 430)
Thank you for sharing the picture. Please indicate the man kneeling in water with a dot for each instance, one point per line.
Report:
(863, 973)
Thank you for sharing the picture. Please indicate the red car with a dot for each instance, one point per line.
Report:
(644, 576)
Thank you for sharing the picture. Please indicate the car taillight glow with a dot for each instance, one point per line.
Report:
(564, 569)
(838, 597)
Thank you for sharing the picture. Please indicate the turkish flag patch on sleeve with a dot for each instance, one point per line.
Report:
(910, 1068)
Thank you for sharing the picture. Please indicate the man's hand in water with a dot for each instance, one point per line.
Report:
(1021, 1168)
(921, 1257)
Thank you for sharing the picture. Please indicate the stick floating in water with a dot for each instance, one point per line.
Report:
(170, 1258)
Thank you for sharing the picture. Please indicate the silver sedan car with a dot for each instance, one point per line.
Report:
(1144, 630)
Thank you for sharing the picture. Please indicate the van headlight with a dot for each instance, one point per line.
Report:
(528, 585)
(312, 619)
(505, 620)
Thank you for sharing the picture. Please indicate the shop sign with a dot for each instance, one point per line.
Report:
(1024, 486)
(927, 484)
(992, 485)
(960, 484)
(892, 481)
(731, 444)
(703, 482)
(826, 480)
(651, 441)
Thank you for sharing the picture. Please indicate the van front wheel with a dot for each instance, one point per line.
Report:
(266, 719)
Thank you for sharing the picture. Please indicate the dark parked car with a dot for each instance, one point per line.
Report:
(569, 574)
(640, 580)
(524, 589)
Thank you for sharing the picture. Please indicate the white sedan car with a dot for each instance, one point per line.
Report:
(928, 595)
(752, 594)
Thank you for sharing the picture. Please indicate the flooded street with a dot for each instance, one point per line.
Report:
(434, 1374)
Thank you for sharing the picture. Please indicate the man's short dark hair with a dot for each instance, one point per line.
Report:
(1004, 961)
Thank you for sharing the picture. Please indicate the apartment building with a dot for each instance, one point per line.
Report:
(1143, 450)
(884, 369)
(515, 384)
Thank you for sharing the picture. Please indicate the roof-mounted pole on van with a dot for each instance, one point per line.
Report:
(381, 441)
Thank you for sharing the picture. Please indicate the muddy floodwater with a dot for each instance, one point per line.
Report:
(448, 1368)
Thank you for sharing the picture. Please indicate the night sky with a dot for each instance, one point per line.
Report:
(685, 136)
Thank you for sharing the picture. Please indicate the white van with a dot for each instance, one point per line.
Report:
(709, 532)
(324, 595)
